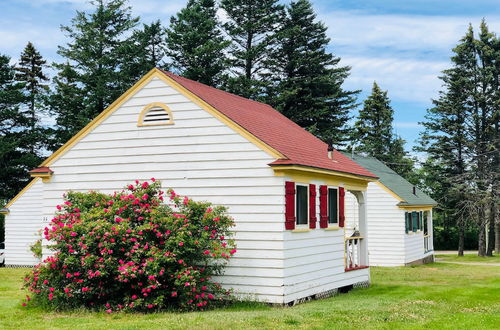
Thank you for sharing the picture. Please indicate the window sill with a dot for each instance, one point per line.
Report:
(332, 228)
(301, 230)
(356, 268)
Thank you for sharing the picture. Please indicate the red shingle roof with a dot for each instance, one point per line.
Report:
(274, 129)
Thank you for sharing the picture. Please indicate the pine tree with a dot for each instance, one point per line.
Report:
(460, 132)
(66, 102)
(373, 130)
(14, 160)
(147, 50)
(98, 50)
(29, 72)
(195, 43)
(305, 80)
(251, 25)
(373, 127)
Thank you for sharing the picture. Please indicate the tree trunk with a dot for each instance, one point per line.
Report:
(481, 251)
(491, 230)
(497, 237)
(461, 239)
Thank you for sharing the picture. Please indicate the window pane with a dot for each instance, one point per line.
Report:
(332, 206)
(415, 220)
(302, 205)
(426, 214)
(407, 222)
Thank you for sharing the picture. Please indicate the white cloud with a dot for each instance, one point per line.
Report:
(405, 79)
(404, 53)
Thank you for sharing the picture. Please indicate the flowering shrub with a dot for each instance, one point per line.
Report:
(132, 251)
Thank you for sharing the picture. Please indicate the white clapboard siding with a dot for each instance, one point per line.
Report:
(388, 243)
(22, 225)
(198, 156)
(314, 262)
(414, 246)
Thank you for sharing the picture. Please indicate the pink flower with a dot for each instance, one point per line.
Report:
(85, 289)
(187, 284)
(210, 296)
(153, 180)
(109, 311)
(73, 234)
(181, 261)
(145, 197)
(51, 296)
(181, 243)
(174, 294)
(150, 306)
(66, 290)
(134, 297)
(145, 184)
(206, 252)
(23, 304)
(232, 251)
(186, 200)
(51, 289)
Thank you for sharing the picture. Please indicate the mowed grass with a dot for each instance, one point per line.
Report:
(435, 296)
(469, 258)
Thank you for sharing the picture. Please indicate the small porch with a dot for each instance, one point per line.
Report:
(356, 231)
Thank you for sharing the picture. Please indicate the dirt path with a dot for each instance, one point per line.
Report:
(451, 252)
(468, 263)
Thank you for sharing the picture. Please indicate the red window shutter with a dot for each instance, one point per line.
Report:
(341, 206)
(312, 206)
(289, 205)
(323, 206)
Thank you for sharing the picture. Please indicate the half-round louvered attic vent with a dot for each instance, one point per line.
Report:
(155, 114)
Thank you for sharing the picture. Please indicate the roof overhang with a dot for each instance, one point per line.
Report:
(415, 207)
(43, 172)
(302, 173)
(4, 211)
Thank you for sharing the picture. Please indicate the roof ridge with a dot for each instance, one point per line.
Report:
(217, 89)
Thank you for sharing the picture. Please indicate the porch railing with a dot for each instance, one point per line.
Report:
(353, 253)
(427, 243)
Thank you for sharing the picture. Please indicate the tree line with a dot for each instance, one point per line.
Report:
(462, 141)
(263, 50)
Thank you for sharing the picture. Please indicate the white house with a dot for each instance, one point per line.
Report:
(399, 218)
(284, 187)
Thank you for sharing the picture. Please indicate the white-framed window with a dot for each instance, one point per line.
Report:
(333, 206)
(301, 205)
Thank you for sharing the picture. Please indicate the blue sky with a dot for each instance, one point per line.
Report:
(403, 45)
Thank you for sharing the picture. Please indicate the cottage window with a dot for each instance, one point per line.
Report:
(302, 208)
(333, 209)
(155, 114)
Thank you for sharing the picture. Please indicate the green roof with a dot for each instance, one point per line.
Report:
(393, 181)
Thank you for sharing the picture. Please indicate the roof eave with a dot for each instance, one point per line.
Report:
(321, 170)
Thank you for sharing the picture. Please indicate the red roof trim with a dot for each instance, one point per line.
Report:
(43, 169)
(273, 129)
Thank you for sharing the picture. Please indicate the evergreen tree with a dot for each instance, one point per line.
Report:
(195, 43)
(97, 52)
(67, 103)
(373, 130)
(29, 72)
(373, 127)
(147, 50)
(15, 162)
(305, 81)
(251, 26)
(460, 133)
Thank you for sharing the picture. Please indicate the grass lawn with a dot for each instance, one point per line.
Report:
(469, 258)
(439, 296)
